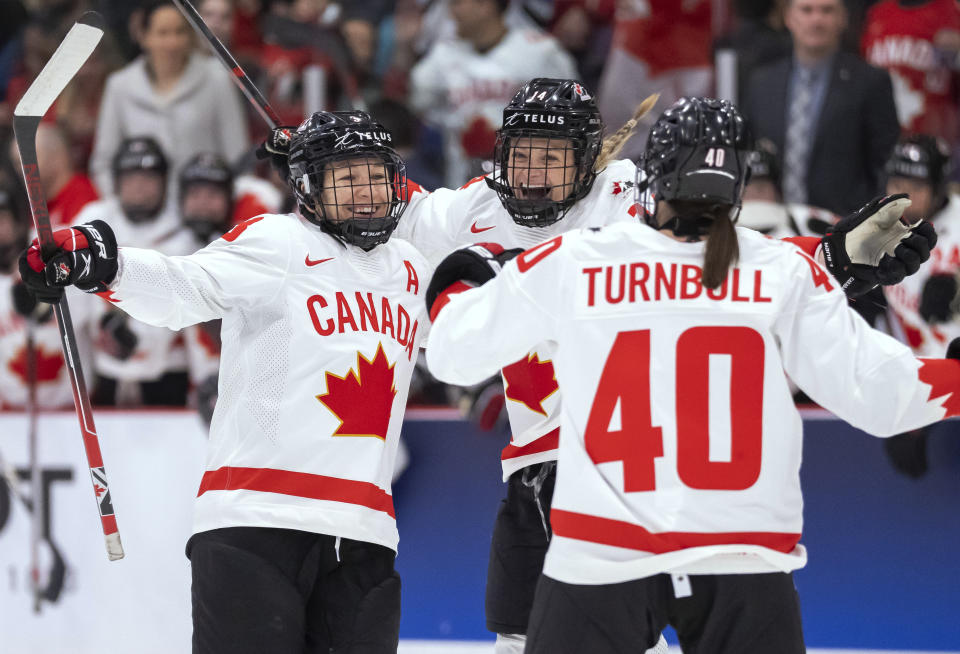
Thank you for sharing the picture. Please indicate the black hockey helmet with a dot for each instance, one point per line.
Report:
(923, 157)
(697, 151)
(326, 138)
(211, 170)
(565, 113)
(140, 153)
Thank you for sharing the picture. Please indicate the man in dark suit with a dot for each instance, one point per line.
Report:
(830, 113)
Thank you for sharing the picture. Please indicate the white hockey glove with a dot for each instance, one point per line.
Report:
(875, 246)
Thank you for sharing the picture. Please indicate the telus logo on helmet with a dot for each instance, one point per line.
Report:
(542, 119)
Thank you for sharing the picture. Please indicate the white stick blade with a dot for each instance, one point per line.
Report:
(76, 48)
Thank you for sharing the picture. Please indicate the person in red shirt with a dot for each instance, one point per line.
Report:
(910, 39)
(68, 190)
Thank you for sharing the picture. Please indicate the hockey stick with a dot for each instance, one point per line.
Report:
(239, 76)
(75, 49)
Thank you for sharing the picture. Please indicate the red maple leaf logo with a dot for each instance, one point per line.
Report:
(49, 365)
(362, 401)
(530, 381)
(98, 490)
(942, 375)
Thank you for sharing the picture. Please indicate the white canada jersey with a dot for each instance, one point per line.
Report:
(903, 299)
(319, 343)
(464, 91)
(53, 379)
(680, 444)
(444, 220)
(158, 351)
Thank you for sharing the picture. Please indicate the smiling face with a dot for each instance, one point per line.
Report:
(541, 168)
(358, 187)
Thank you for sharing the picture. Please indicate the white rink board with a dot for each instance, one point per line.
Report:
(141, 603)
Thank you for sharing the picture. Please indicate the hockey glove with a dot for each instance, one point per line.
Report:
(874, 246)
(277, 149)
(116, 337)
(483, 404)
(28, 305)
(85, 256)
(938, 294)
(475, 264)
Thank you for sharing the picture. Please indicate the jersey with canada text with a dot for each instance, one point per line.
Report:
(319, 341)
(680, 443)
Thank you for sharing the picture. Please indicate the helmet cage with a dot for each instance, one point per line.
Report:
(365, 233)
(330, 137)
(540, 211)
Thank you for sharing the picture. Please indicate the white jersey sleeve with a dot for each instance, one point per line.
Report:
(246, 267)
(860, 374)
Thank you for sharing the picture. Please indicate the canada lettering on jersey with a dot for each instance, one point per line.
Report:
(911, 52)
(642, 282)
(483, 91)
(363, 312)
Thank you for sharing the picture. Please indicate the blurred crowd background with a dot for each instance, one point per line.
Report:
(847, 99)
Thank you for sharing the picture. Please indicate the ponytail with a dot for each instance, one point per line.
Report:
(722, 251)
(613, 144)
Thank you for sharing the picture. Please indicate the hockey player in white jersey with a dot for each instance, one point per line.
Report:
(136, 363)
(462, 84)
(294, 529)
(554, 172)
(922, 311)
(659, 343)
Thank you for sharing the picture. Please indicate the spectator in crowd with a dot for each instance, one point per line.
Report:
(924, 307)
(660, 46)
(182, 98)
(916, 41)
(407, 140)
(67, 189)
(136, 363)
(831, 114)
(463, 84)
(585, 29)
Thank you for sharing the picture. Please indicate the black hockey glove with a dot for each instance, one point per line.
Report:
(26, 303)
(277, 149)
(85, 256)
(938, 294)
(116, 337)
(475, 264)
(874, 246)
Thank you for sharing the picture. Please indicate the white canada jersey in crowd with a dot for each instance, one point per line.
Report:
(680, 443)
(158, 351)
(53, 379)
(779, 220)
(464, 91)
(319, 343)
(444, 220)
(904, 298)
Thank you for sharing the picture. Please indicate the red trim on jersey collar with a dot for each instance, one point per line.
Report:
(298, 484)
(444, 298)
(549, 441)
(617, 533)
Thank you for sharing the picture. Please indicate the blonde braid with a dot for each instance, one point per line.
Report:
(613, 144)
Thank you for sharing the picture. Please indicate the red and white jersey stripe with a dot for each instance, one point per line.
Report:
(319, 341)
(680, 444)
